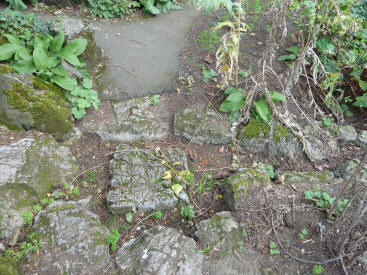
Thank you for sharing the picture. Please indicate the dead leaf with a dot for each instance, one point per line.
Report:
(209, 59)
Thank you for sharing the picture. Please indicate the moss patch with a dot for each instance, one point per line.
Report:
(5, 69)
(8, 266)
(48, 107)
(258, 129)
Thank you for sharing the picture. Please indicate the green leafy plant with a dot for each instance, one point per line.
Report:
(233, 103)
(129, 217)
(158, 215)
(188, 212)
(47, 201)
(294, 52)
(27, 217)
(244, 232)
(323, 200)
(154, 99)
(46, 57)
(112, 8)
(71, 191)
(262, 110)
(327, 122)
(206, 184)
(155, 7)
(268, 170)
(113, 238)
(37, 208)
(206, 250)
(17, 4)
(317, 269)
(273, 248)
(301, 235)
(31, 245)
(209, 74)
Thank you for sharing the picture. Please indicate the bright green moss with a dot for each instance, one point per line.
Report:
(5, 69)
(48, 107)
(8, 266)
(258, 129)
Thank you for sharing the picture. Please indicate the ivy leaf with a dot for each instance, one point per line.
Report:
(177, 188)
(233, 102)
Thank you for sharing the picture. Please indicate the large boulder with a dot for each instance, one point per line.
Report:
(228, 254)
(132, 120)
(255, 137)
(30, 169)
(27, 102)
(240, 186)
(136, 180)
(160, 251)
(74, 241)
(201, 124)
(304, 181)
(347, 169)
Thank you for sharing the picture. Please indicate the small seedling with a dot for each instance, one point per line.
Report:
(188, 212)
(302, 234)
(317, 269)
(47, 201)
(206, 250)
(154, 99)
(27, 217)
(273, 248)
(244, 232)
(113, 238)
(157, 215)
(37, 208)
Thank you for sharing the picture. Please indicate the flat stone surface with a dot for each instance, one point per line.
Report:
(160, 251)
(75, 242)
(132, 120)
(136, 180)
(29, 169)
(148, 47)
(202, 124)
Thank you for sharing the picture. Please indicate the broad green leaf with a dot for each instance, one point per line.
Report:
(80, 92)
(363, 85)
(276, 96)
(75, 47)
(177, 188)
(23, 54)
(149, 7)
(12, 39)
(244, 74)
(24, 66)
(40, 59)
(230, 90)
(7, 51)
(87, 83)
(287, 57)
(294, 50)
(71, 58)
(263, 110)
(233, 102)
(60, 70)
(53, 61)
(308, 195)
(57, 42)
(64, 82)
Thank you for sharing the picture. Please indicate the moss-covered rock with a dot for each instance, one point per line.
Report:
(8, 266)
(28, 102)
(254, 137)
(237, 188)
(30, 169)
(75, 242)
(202, 124)
(306, 180)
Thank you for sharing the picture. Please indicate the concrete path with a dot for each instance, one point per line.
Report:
(143, 54)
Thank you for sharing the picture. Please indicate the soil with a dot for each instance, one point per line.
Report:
(290, 212)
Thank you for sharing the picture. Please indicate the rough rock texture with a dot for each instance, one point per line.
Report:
(237, 188)
(306, 180)
(28, 102)
(347, 169)
(254, 137)
(202, 124)
(136, 180)
(160, 251)
(8, 266)
(58, 3)
(362, 139)
(29, 169)
(132, 120)
(74, 241)
(223, 234)
(346, 134)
